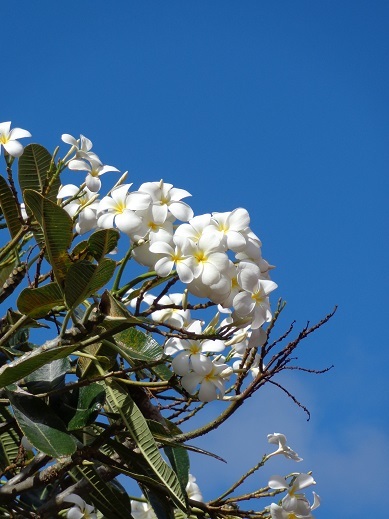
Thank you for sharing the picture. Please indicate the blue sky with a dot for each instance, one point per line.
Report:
(278, 107)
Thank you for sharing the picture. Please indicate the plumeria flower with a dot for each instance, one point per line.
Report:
(26, 444)
(174, 316)
(253, 300)
(8, 139)
(82, 204)
(302, 511)
(142, 510)
(230, 227)
(153, 230)
(119, 209)
(294, 502)
(194, 229)
(170, 256)
(95, 169)
(280, 440)
(191, 352)
(80, 510)
(212, 383)
(167, 198)
(193, 490)
(82, 146)
(206, 259)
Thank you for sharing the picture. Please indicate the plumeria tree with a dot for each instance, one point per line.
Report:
(125, 315)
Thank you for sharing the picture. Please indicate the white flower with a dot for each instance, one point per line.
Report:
(253, 301)
(119, 209)
(173, 316)
(8, 139)
(302, 511)
(191, 352)
(211, 382)
(82, 204)
(230, 227)
(294, 502)
(141, 510)
(206, 259)
(280, 439)
(82, 146)
(172, 255)
(167, 198)
(95, 169)
(81, 510)
(193, 490)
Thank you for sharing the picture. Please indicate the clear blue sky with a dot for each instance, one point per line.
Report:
(279, 107)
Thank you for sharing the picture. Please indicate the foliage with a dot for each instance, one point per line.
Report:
(79, 404)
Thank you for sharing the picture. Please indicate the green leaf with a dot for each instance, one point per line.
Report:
(29, 362)
(9, 440)
(120, 401)
(38, 302)
(34, 170)
(160, 502)
(178, 456)
(84, 279)
(9, 207)
(81, 406)
(48, 377)
(139, 345)
(57, 227)
(102, 242)
(135, 344)
(112, 503)
(42, 427)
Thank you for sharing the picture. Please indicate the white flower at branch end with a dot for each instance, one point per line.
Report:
(212, 381)
(94, 167)
(119, 209)
(280, 440)
(82, 204)
(8, 139)
(294, 502)
(254, 299)
(80, 510)
(193, 490)
(165, 199)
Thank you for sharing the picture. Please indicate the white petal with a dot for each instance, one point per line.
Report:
(181, 211)
(207, 391)
(93, 183)
(69, 139)
(14, 148)
(68, 190)
(277, 483)
(128, 222)
(19, 133)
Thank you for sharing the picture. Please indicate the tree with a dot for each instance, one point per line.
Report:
(147, 314)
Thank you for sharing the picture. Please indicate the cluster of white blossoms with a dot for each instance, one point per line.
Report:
(216, 256)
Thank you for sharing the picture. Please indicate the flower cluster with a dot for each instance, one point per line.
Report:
(216, 256)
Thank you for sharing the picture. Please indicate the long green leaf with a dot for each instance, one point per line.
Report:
(9, 207)
(38, 302)
(84, 278)
(57, 227)
(49, 377)
(34, 170)
(42, 427)
(178, 455)
(102, 242)
(29, 362)
(120, 402)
